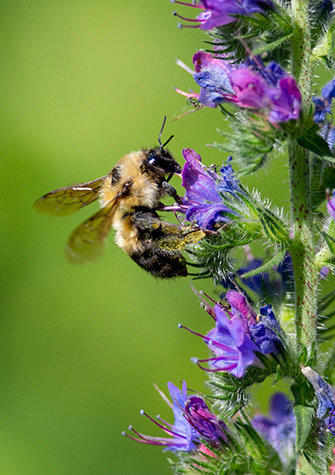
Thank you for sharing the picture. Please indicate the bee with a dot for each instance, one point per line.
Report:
(129, 198)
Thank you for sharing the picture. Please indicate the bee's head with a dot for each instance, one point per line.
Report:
(160, 161)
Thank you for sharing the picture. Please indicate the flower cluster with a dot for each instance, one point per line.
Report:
(238, 336)
(215, 13)
(193, 422)
(242, 77)
(269, 90)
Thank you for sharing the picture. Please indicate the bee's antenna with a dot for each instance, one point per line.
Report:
(161, 132)
(160, 135)
(168, 140)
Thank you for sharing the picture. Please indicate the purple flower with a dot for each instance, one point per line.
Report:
(205, 422)
(231, 344)
(323, 391)
(216, 13)
(192, 421)
(182, 435)
(280, 428)
(265, 332)
(238, 335)
(203, 203)
(331, 204)
(327, 132)
(323, 104)
(264, 285)
(268, 90)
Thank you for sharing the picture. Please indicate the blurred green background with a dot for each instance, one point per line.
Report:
(82, 84)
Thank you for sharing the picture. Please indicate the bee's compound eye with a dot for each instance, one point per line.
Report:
(152, 158)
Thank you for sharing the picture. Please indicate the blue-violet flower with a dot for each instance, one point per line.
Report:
(280, 428)
(203, 202)
(183, 436)
(323, 391)
(323, 104)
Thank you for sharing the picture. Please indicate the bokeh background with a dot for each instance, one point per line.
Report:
(82, 84)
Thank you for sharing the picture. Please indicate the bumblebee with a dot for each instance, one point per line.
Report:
(129, 197)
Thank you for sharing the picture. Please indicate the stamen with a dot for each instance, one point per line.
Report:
(186, 18)
(181, 25)
(165, 429)
(164, 421)
(184, 66)
(141, 436)
(203, 303)
(225, 368)
(186, 4)
(163, 396)
(189, 95)
(152, 441)
(208, 340)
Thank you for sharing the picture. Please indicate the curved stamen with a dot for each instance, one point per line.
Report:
(141, 436)
(186, 18)
(164, 421)
(165, 429)
(206, 338)
(229, 359)
(215, 370)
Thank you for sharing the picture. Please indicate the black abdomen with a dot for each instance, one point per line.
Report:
(161, 263)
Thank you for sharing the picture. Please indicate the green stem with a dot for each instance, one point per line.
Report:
(302, 244)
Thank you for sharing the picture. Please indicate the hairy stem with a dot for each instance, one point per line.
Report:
(302, 247)
(302, 244)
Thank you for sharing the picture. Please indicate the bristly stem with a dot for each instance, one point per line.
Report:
(302, 247)
(302, 244)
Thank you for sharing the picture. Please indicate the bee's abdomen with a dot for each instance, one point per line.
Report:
(161, 263)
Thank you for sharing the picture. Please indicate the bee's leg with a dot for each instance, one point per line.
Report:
(171, 191)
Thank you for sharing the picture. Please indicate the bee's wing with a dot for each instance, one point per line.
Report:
(87, 240)
(64, 201)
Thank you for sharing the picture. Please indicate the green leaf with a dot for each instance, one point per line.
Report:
(271, 46)
(304, 418)
(273, 227)
(311, 140)
(330, 243)
(267, 266)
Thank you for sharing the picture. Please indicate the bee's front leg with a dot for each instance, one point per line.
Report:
(171, 191)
